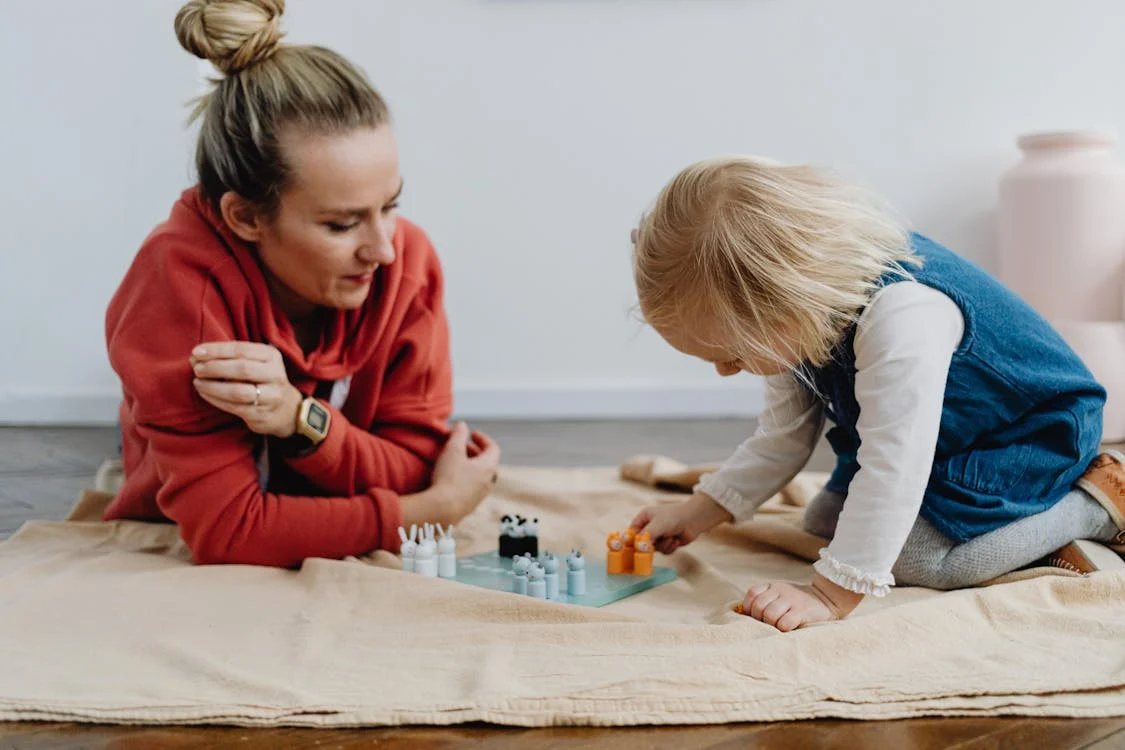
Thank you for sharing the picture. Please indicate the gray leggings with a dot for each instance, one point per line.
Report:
(931, 559)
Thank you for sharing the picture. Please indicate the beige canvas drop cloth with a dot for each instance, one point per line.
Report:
(109, 622)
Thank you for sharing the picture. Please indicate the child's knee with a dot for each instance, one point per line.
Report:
(927, 573)
(825, 528)
(933, 569)
(822, 514)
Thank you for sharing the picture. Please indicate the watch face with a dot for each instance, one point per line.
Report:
(318, 417)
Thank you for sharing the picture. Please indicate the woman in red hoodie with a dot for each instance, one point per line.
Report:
(280, 339)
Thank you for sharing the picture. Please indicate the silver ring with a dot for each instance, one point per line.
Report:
(257, 394)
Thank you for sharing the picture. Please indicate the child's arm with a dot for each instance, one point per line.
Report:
(786, 435)
(904, 345)
(903, 349)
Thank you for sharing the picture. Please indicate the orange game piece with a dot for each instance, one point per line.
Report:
(614, 559)
(642, 556)
(627, 554)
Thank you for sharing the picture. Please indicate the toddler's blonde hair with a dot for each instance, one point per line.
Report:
(764, 253)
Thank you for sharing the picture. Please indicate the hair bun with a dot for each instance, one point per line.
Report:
(232, 34)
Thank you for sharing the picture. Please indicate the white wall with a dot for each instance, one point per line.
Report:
(533, 132)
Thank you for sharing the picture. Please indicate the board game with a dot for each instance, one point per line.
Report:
(491, 571)
(518, 566)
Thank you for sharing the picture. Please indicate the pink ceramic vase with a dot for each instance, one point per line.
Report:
(1062, 248)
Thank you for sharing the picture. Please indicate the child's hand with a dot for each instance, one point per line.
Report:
(673, 526)
(788, 607)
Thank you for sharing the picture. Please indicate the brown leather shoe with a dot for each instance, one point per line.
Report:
(1085, 557)
(1104, 480)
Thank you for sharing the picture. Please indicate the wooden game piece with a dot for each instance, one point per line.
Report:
(615, 554)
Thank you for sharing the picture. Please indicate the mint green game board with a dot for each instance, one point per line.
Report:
(489, 570)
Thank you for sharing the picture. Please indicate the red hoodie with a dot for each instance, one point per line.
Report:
(186, 461)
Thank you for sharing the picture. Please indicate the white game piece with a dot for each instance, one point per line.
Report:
(409, 547)
(425, 559)
(551, 575)
(536, 585)
(447, 553)
(575, 574)
(520, 567)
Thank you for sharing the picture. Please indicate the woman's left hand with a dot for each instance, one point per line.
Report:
(247, 380)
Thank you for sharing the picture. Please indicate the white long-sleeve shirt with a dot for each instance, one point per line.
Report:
(904, 342)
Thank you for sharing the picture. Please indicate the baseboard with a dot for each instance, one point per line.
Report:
(62, 408)
(603, 400)
(611, 400)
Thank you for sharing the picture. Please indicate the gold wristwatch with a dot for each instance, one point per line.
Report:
(312, 421)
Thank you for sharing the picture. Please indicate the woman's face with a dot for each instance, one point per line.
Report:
(335, 220)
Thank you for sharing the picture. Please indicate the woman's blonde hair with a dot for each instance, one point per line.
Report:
(267, 87)
(755, 254)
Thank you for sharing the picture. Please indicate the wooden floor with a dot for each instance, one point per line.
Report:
(42, 470)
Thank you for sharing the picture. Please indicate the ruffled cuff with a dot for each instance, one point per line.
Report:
(731, 500)
(852, 578)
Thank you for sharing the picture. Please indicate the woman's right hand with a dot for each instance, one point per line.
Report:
(463, 476)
